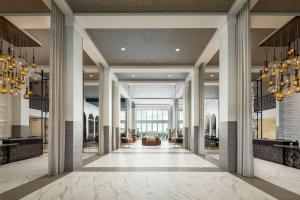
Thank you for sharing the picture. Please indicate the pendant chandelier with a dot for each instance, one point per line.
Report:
(283, 75)
(16, 70)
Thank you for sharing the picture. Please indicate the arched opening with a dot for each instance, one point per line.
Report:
(91, 126)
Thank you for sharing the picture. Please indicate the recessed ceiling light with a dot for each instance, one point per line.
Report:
(91, 75)
(123, 49)
(132, 75)
(169, 75)
(177, 49)
(212, 75)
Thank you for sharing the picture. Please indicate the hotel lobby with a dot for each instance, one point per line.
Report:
(146, 99)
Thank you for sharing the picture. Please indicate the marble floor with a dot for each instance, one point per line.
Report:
(18, 173)
(174, 174)
(280, 175)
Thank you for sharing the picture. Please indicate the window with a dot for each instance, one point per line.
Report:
(154, 127)
(165, 115)
(144, 127)
(160, 128)
(91, 125)
(144, 117)
(152, 122)
(97, 125)
(154, 115)
(159, 115)
(181, 125)
(149, 127)
(165, 127)
(180, 115)
(138, 115)
(139, 127)
(149, 115)
(123, 115)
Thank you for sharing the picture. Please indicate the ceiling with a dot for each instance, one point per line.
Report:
(42, 53)
(277, 6)
(151, 46)
(146, 6)
(257, 53)
(151, 76)
(91, 91)
(16, 6)
(151, 90)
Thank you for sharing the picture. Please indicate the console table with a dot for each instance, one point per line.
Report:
(16, 149)
(291, 155)
(277, 151)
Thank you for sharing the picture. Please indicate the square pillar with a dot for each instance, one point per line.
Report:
(228, 96)
(20, 116)
(195, 111)
(73, 97)
(187, 113)
(116, 113)
(105, 109)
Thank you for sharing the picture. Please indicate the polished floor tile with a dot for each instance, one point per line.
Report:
(149, 173)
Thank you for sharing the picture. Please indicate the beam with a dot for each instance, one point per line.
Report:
(142, 21)
(150, 69)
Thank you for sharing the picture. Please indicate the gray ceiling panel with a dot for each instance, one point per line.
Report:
(23, 6)
(277, 6)
(151, 46)
(146, 6)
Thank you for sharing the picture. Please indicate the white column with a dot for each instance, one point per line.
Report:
(106, 111)
(187, 114)
(228, 96)
(116, 112)
(133, 124)
(195, 111)
(245, 135)
(201, 111)
(73, 96)
(20, 116)
(128, 115)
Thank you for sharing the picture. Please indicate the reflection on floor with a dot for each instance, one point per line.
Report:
(125, 174)
(89, 152)
(283, 176)
(18, 173)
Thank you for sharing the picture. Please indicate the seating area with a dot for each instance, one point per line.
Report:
(151, 141)
(211, 142)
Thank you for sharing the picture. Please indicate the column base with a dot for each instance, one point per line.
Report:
(107, 145)
(73, 145)
(228, 145)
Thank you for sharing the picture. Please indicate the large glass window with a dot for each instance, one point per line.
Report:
(149, 127)
(144, 127)
(149, 115)
(154, 115)
(152, 122)
(159, 115)
(160, 128)
(123, 115)
(165, 115)
(144, 117)
(138, 115)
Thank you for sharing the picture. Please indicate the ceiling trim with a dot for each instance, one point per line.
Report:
(158, 69)
(142, 21)
(147, 82)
